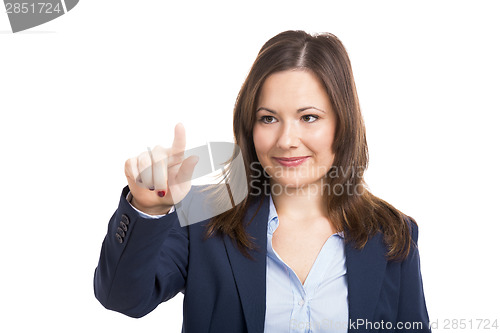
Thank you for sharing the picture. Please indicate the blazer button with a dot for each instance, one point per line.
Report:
(125, 219)
(119, 238)
(123, 226)
(120, 232)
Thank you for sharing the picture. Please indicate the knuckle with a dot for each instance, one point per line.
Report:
(158, 148)
(128, 164)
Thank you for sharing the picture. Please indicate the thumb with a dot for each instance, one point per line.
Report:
(186, 169)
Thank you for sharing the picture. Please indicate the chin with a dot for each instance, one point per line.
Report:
(291, 183)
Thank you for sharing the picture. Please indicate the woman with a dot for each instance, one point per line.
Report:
(310, 249)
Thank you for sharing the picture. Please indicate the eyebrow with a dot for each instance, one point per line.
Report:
(298, 110)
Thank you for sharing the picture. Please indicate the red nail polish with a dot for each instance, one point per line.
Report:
(161, 194)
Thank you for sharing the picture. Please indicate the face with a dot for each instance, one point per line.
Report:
(295, 127)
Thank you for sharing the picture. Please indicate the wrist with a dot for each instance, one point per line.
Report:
(157, 210)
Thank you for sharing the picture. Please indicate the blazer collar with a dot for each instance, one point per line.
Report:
(250, 275)
(365, 271)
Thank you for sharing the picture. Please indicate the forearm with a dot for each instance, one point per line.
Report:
(143, 268)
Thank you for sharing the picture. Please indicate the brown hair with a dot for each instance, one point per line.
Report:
(359, 215)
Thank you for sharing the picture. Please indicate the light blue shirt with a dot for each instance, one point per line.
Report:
(320, 304)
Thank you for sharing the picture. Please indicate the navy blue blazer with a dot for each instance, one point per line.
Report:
(145, 262)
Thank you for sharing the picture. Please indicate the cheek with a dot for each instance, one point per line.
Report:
(261, 141)
(321, 142)
(256, 140)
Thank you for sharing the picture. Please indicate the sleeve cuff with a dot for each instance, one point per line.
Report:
(145, 215)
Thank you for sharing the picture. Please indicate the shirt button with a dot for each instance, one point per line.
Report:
(301, 302)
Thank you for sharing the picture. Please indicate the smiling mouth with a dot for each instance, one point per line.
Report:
(291, 161)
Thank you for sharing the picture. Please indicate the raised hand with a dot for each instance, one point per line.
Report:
(161, 177)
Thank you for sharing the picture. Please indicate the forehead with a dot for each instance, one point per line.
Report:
(295, 88)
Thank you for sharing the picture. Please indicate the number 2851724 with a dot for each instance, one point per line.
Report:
(32, 8)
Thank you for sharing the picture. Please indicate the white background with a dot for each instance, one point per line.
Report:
(81, 94)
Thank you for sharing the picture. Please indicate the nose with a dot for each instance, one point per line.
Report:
(289, 137)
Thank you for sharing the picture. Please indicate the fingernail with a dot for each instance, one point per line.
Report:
(161, 194)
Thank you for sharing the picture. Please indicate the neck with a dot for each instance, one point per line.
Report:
(300, 204)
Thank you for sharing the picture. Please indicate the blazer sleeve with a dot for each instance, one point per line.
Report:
(412, 309)
(143, 262)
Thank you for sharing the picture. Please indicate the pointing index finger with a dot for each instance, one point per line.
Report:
(179, 143)
(176, 154)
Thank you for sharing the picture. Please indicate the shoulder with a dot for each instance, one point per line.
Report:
(407, 237)
(412, 224)
(412, 307)
(413, 229)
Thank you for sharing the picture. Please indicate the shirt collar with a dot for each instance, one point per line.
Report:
(272, 222)
(272, 209)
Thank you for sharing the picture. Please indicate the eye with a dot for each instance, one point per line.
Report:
(308, 118)
(266, 119)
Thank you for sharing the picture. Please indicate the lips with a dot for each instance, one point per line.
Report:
(291, 161)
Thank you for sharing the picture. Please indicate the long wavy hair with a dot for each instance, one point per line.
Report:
(360, 214)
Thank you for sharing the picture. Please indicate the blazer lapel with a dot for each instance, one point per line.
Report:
(365, 273)
(250, 275)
